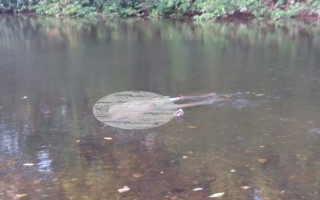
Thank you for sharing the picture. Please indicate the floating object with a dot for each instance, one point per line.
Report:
(137, 175)
(197, 189)
(257, 94)
(216, 195)
(124, 189)
(107, 138)
(21, 195)
(24, 97)
(262, 160)
(28, 164)
(192, 127)
(246, 187)
(134, 110)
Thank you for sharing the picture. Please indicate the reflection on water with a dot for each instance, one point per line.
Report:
(44, 162)
(262, 144)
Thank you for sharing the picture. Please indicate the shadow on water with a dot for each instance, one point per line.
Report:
(262, 144)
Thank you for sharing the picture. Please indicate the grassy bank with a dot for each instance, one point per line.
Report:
(197, 9)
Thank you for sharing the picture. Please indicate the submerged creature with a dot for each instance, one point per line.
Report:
(135, 109)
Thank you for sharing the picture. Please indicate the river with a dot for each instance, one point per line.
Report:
(261, 144)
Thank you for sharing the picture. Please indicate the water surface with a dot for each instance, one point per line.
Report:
(262, 144)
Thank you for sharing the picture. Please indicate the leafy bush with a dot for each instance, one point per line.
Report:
(69, 8)
(201, 9)
(314, 6)
(314, 3)
(219, 8)
(16, 4)
(290, 12)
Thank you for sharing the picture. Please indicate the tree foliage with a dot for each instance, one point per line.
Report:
(200, 9)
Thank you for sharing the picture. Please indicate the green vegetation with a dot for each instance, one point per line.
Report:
(199, 9)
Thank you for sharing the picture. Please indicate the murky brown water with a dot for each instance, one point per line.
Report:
(263, 144)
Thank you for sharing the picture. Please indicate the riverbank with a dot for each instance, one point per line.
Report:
(305, 10)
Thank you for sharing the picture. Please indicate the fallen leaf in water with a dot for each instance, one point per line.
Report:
(262, 160)
(259, 95)
(247, 151)
(192, 127)
(246, 187)
(36, 181)
(216, 195)
(124, 189)
(137, 175)
(107, 138)
(197, 189)
(28, 164)
(21, 195)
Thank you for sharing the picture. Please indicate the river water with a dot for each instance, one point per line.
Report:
(262, 144)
